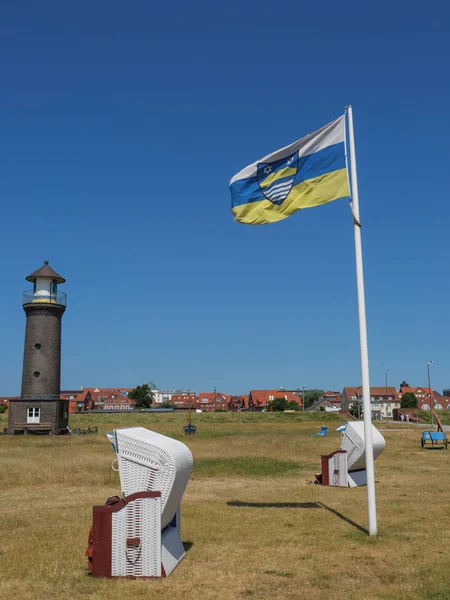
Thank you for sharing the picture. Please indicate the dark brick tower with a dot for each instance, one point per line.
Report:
(39, 408)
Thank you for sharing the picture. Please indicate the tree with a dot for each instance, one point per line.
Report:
(311, 396)
(142, 395)
(292, 405)
(357, 409)
(408, 400)
(279, 404)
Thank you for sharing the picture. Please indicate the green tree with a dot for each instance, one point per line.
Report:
(279, 404)
(408, 400)
(292, 405)
(357, 409)
(311, 396)
(142, 395)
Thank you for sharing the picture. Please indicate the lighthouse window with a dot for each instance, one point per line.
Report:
(37, 374)
(37, 346)
(33, 415)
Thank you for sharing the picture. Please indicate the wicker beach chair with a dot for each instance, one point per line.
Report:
(346, 467)
(140, 536)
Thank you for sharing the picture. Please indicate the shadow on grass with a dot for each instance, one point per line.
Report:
(187, 545)
(238, 503)
(344, 518)
(274, 504)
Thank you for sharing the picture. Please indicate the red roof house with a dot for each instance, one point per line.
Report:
(78, 399)
(211, 401)
(261, 398)
(333, 397)
(426, 397)
(99, 395)
(383, 399)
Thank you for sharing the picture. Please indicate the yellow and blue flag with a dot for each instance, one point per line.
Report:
(307, 173)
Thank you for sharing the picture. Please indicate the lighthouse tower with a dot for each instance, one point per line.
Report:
(39, 408)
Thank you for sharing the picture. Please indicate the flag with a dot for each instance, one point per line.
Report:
(307, 173)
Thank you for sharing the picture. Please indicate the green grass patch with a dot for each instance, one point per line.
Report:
(440, 593)
(247, 466)
(279, 573)
(444, 416)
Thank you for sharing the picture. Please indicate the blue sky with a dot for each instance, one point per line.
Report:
(121, 125)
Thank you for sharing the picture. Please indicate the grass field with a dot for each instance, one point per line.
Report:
(253, 526)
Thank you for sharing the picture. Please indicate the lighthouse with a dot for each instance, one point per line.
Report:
(39, 408)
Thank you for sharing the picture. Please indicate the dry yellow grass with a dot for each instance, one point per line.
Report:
(316, 548)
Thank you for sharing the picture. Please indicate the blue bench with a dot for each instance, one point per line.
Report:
(189, 429)
(435, 438)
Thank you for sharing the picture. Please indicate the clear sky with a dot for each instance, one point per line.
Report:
(121, 125)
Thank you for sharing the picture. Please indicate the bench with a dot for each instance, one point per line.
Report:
(435, 438)
(189, 429)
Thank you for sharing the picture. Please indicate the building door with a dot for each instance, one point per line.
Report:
(34, 416)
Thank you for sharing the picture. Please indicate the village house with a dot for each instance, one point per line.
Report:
(426, 397)
(329, 402)
(165, 396)
(205, 401)
(383, 400)
(184, 400)
(237, 403)
(260, 399)
(4, 401)
(110, 399)
(333, 397)
(78, 399)
(118, 402)
(211, 401)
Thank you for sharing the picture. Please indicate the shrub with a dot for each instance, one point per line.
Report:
(408, 400)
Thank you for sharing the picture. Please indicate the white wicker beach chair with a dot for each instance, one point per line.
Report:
(347, 467)
(353, 441)
(148, 462)
(144, 528)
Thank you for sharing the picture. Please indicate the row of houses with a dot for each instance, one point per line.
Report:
(383, 399)
(117, 399)
(109, 399)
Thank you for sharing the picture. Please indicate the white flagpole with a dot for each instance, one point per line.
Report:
(362, 332)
